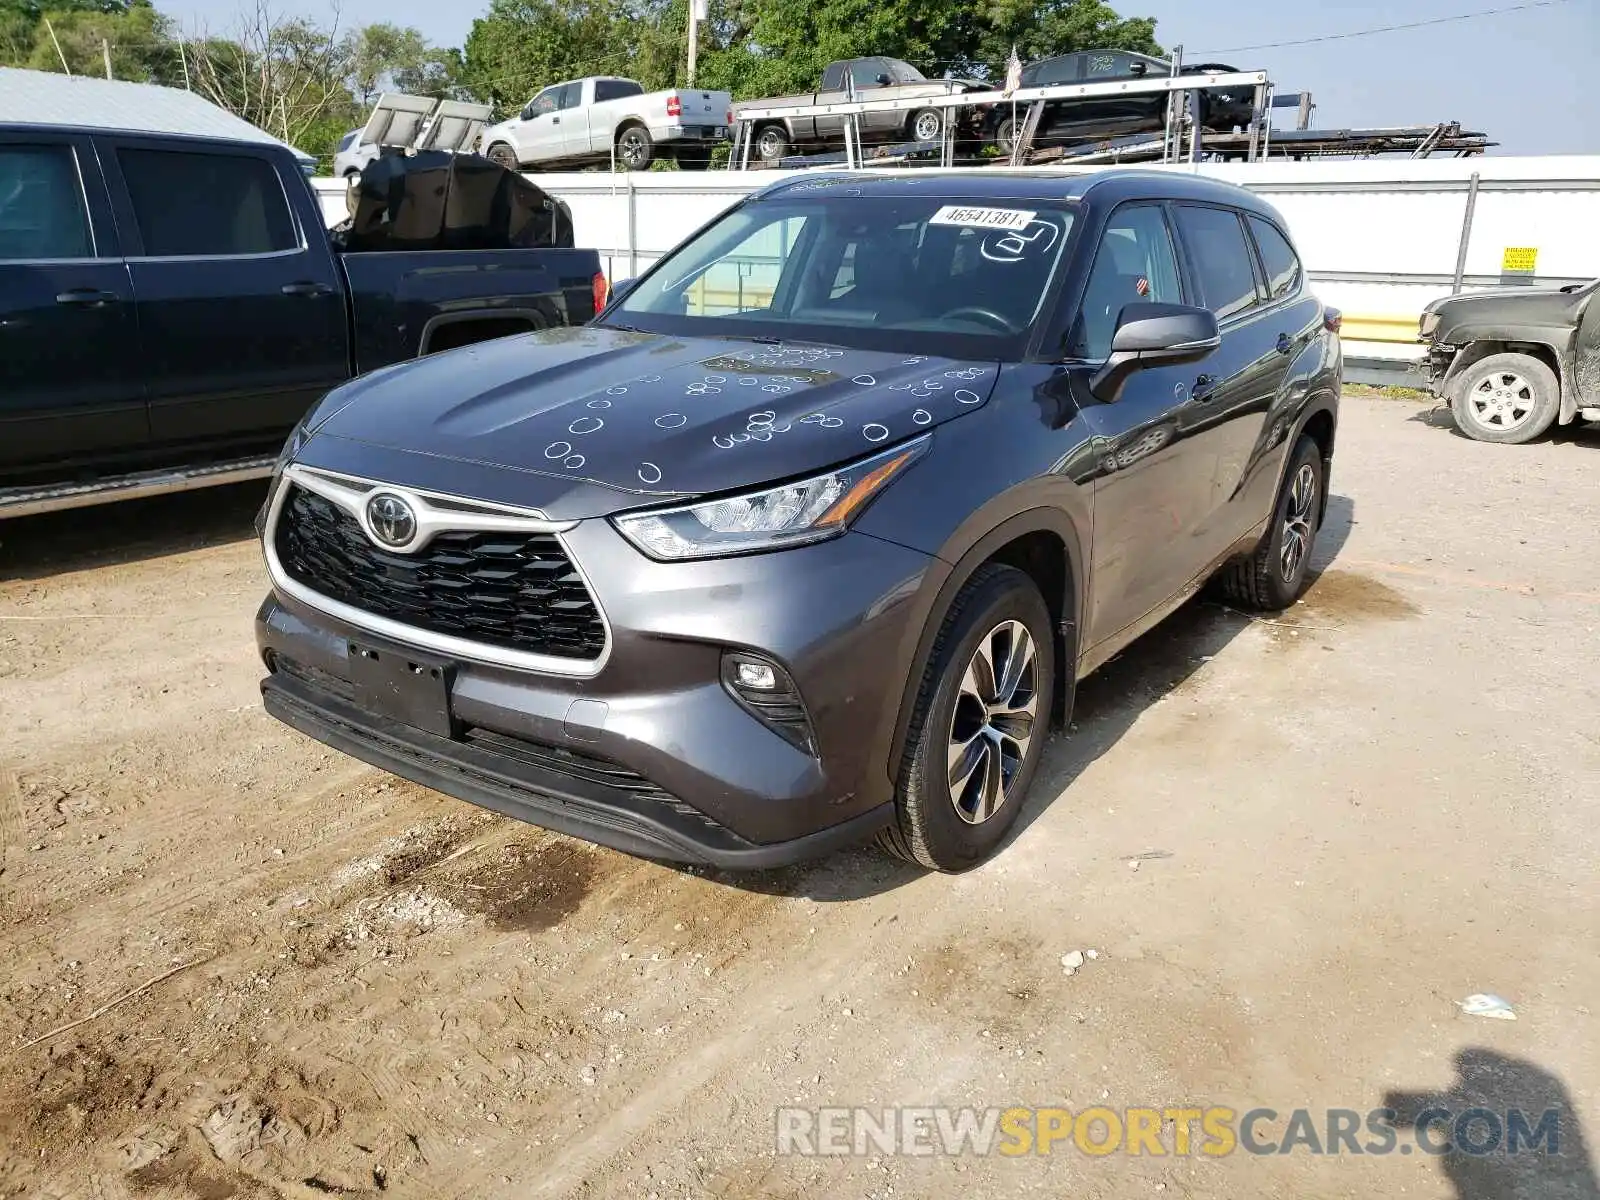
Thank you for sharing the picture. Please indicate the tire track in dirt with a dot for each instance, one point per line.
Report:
(10, 831)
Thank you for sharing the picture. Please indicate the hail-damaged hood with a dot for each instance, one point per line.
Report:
(586, 422)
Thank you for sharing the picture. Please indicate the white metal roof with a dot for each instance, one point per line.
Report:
(45, 98)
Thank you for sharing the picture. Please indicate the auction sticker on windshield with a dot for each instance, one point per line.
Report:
(983, 218)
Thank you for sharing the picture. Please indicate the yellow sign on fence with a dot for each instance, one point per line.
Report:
(1519, 258)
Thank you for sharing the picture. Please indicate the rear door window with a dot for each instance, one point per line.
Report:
(1278, 257)
(1220, 257)
(202, 205)
(42, 214)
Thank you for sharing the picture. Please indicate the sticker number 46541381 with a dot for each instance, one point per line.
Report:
(983, 218)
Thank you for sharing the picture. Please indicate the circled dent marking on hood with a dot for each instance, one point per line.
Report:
(698, 427)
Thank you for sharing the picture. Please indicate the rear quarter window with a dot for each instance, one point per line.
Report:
(615, 89)
(1278, 257)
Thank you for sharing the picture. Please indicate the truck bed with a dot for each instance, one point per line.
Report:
(403, 300)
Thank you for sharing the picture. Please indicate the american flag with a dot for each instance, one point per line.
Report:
(1013, 72)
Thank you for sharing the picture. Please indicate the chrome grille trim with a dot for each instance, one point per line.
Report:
(436, 513)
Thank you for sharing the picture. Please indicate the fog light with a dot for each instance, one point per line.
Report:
(766, 691)
(757, 675)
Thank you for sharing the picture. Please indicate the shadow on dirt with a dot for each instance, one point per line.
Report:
(1106, 707)
(130, 531)
(1579, 433)
(1510, 1129)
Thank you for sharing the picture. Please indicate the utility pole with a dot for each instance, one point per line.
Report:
(697, 13)
(105, 49)
(57, 44)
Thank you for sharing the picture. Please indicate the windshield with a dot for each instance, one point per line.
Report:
(917, 273)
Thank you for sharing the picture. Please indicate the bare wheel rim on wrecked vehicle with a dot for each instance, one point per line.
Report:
(1502, 400)
(992, 724)
(1297, 521)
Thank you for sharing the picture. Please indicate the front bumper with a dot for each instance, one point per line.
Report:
(652, 754)
(1434, 366)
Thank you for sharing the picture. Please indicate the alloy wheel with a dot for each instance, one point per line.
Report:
(927, 128)
(1503, 400)
(992, 725)
(1297, 522)
(631, 149)
(770, 145)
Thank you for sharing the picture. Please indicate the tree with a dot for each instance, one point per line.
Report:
(772, 47)
(440, 75)
(378, 53)
(139, 38)
(285, 76)
(522, 45)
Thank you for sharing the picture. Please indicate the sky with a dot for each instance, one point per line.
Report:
(1522, 77)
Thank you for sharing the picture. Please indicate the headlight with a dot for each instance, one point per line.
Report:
(808, 510)
(1430, 322)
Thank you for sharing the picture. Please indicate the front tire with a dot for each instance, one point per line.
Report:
(1278, 572)
(980, 724)
(1506, 398)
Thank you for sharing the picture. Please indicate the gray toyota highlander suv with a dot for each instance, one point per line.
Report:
(810, 535)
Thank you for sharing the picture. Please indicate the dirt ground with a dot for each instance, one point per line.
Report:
(1293, 846)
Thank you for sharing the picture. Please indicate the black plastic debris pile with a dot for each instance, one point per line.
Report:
(440, 201)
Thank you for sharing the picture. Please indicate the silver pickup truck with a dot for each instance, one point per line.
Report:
(605, 119)
(875, 78)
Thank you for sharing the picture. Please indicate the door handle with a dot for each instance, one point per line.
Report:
(1204, 388)
(306, 288)
(87, 298)
(1285, 343)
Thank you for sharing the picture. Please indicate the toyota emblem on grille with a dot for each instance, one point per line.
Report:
(391, 520)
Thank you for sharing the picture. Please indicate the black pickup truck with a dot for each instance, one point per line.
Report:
(170, 306)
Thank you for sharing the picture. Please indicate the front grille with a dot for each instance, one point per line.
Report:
(515, 591)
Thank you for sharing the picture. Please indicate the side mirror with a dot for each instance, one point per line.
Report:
(621, 288)
(1154, 335)
(527, 112)
(1141, 68)
(881, 79)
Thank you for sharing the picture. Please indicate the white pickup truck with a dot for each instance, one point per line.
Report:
(591, 120)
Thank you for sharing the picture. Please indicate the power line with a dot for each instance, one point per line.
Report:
(1336, 37)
